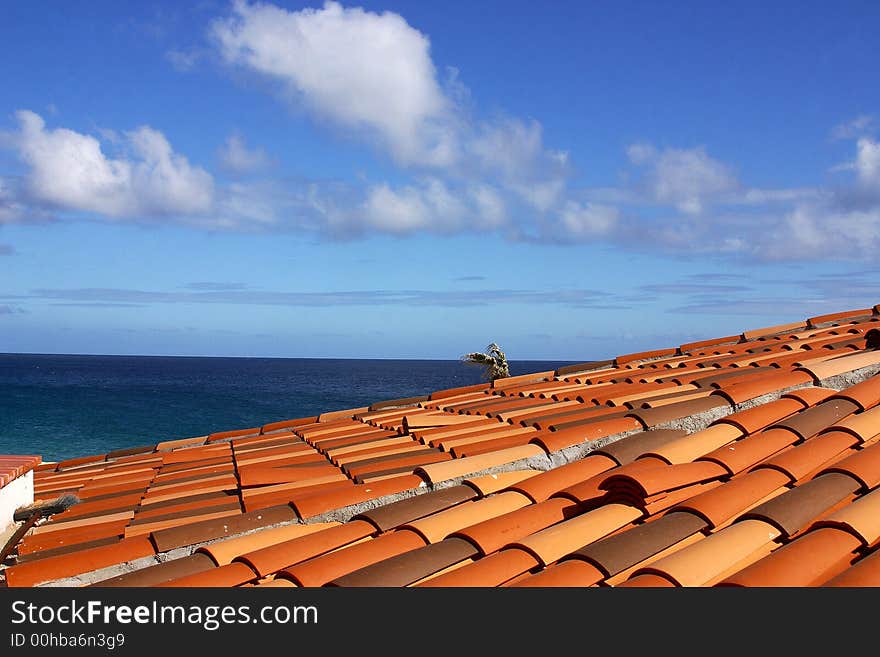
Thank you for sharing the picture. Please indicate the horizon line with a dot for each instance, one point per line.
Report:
(28, 353)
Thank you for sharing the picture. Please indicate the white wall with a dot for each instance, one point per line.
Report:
(17, 493)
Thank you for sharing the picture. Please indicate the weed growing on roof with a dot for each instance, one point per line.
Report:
(493, 360)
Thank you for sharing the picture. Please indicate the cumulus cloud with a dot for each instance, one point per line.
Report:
(354, 67)
(823, 231)
(489, 207)
(257, 205)
(69, 171)
(768, 196)
(853, 128)
(372, 73)
(717, 214)
(183, 61)
(867, 164)
(512, 151)
(688, 179)
(235, 157)
(587, 220)
(641, 153)
(163, 182)
(409, 208)
(432, 206)
(843, 222)
(10, 209)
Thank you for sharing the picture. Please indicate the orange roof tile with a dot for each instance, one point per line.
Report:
(650, 541)
(438, 472)
(724, 503)
(837, 317)
(223, 552)
(707, 562)
(492, 483)
(233, 574)
(807, 457)
(717, 462)
(410, 566)
(689, 447)
(542, 486)
(567, 574)
(864, 573)
(322, 569)
(76, 563)
(492, 570)
(772, 330)
(493, 534)
(438, 526)
(274, 557)
(549, 545)
(811, 560)
(861, 519)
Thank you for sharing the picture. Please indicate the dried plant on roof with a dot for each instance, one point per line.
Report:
(493, 360)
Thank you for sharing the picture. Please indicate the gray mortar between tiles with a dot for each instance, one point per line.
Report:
(541, 462)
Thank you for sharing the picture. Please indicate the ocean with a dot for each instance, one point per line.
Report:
(63, 406)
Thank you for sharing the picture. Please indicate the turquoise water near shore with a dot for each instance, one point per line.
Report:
(62, 406)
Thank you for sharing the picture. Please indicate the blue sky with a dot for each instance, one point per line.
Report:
(416, 180)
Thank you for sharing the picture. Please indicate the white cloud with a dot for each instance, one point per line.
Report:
(183, 61)
(513, 149)
(357, 68)
(491, 211)
(237, 158)
(688, 179)
(373, 74)
(765, 196)
(854, 128)
(396, 212)
(864, 192)
(824, 231)
(584, 221)
(541, 195)
(641, 153)
(10, 209)
(68, 169)
(843, 223)
(512, 152)
(246, 206)
(163, 182)
(867, 164)
(763, 224)
(70, 172)
(430, 206)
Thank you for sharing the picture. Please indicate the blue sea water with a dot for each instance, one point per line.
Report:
(62, 406)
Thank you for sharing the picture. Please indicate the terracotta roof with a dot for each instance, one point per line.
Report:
(13, 466)
(747, 460)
